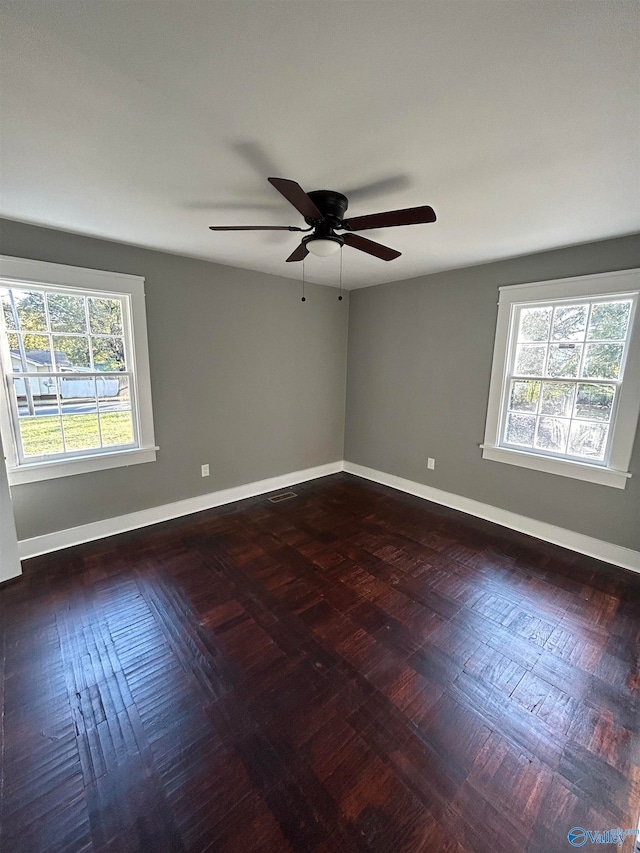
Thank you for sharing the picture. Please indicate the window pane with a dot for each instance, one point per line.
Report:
(66, 313)
(564, 360)
(42, 394)
(557, 398)
(609, 321)
(30, 310)
(520, 429)
(588, 439)
(530, 360)
(38, 417)
(9, 319)
(551, 434)
(602, 361)
(78, 394)
(40, 436)
(124, 392)
(108, 353)
(113, 393)
(594, 402)
(37, 352)
(105, 316)
(524, 396)
(114, 404)
(81, 431)
(71, 352)
(534, 324)
(569, 323)
(117, 428)
(45, 395)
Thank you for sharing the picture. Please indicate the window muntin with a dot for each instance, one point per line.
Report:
(565, 369)
(71, 379)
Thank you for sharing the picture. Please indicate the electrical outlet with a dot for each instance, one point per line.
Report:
(431, 463)
(205, 470)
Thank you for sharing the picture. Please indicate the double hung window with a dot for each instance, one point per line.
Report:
(73, 349)
(564, 390)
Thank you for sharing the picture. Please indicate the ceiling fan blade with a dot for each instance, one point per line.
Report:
(296, 196)
(298, 254)
(408, 216)
(255, 228)
(231, 205)
(394, 183)
(377, 249)
(256, 156)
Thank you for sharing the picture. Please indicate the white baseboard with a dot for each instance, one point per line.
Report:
(607, 551)
(110, 526)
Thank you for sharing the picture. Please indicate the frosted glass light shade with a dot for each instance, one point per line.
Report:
(322, 248)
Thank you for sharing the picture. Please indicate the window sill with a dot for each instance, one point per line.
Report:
(80, 465)
(576, 470)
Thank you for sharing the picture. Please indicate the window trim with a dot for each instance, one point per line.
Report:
(23, 271)
(624, 283)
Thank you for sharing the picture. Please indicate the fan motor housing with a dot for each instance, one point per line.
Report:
(333, 206)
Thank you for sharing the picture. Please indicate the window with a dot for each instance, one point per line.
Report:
(565, 384)
(76, 391)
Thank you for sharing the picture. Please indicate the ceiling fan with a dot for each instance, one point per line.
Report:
(323, 211)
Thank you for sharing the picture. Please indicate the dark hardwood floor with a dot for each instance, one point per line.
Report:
(350, 670)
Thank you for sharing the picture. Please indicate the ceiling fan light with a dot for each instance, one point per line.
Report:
(323, 247)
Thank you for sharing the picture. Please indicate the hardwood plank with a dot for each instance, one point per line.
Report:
(351, 670)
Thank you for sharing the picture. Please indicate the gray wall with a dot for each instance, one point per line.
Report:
(244, 376)
(250, 379)
(419, 364)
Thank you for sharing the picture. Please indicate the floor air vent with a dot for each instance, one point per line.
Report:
(283, 496)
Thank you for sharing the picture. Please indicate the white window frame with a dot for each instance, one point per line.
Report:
(23, 272)
(614, 471)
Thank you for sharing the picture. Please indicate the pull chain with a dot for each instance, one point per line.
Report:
(340, 297)
(304, 298)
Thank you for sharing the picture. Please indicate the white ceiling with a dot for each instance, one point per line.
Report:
(145, 122)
